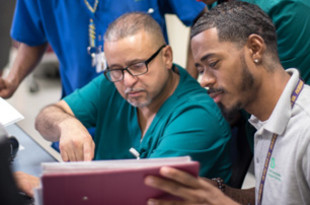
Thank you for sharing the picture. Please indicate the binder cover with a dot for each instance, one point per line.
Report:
(106, 182)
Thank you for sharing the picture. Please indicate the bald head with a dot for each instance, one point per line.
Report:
(130, 24)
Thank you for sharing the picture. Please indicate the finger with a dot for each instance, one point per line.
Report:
(165, 202)
(173, 188)
(71, 155)
(78, 151)
(26, 183)
(89, 150)
(64, 155)
(67, 151)
(74, 150)
(180, 177)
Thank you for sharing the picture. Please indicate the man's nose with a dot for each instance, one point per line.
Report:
(207, 79)
(129, 80)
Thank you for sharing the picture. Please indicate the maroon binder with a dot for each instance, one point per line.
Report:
(107, 186)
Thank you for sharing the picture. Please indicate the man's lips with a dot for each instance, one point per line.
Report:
(133, 94)
(216, 95)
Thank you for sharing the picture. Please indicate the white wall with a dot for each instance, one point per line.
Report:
(178, 35)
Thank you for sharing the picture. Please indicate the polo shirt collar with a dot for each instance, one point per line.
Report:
(281, 114)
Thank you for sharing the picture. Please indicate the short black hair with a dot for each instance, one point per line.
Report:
(235, 21)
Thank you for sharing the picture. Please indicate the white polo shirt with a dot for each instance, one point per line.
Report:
(288, 177)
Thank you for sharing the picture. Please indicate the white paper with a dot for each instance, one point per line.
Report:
(8, 114)
(105, 165)
(38, 196)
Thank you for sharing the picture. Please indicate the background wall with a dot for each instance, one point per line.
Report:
(178, 35)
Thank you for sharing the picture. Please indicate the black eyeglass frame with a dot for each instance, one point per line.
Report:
(146, 62)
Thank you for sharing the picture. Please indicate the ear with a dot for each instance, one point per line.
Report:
(167, 56)
(257, 47)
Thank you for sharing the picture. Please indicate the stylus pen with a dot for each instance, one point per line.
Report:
(134, 152)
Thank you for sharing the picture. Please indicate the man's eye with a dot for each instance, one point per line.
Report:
(200, 70)
(137, 66)
(213, 64)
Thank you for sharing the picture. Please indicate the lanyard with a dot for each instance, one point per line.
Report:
(294, 97)
(92, 31)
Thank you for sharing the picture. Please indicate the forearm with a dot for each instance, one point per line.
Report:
(242, 196)
(51, 120)
(26, 60)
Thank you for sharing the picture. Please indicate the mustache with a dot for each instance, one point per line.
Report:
(215, 90)
(129, 90)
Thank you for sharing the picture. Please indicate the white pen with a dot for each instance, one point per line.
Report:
(134, 152)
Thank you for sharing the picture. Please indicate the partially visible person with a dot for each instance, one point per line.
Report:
(235, 49)
(75, 29)
(8, 189)
(144, 101)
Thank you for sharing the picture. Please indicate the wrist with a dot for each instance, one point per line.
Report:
(13, 79)
(219, 183)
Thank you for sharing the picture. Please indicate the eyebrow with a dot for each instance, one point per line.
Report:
(129, 63)
(205, 57)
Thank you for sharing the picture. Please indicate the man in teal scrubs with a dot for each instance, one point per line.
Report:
(144, 102)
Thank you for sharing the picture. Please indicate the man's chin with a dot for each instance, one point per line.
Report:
(138, 104)
(230, 114)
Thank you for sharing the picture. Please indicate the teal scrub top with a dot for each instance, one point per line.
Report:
(188, 123)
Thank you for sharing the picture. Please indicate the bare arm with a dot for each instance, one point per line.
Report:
(242, 196)
(191, 189)
(26, 60)
(57, 123)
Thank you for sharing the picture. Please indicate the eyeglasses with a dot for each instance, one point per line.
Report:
(136, 69)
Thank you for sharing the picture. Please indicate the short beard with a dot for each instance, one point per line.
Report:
(135, 102)
(230, 114)
(247, 83)
(140, 104)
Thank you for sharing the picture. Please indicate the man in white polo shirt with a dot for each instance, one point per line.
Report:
(235, 50)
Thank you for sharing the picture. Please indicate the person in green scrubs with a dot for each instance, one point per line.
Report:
(144, 102)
